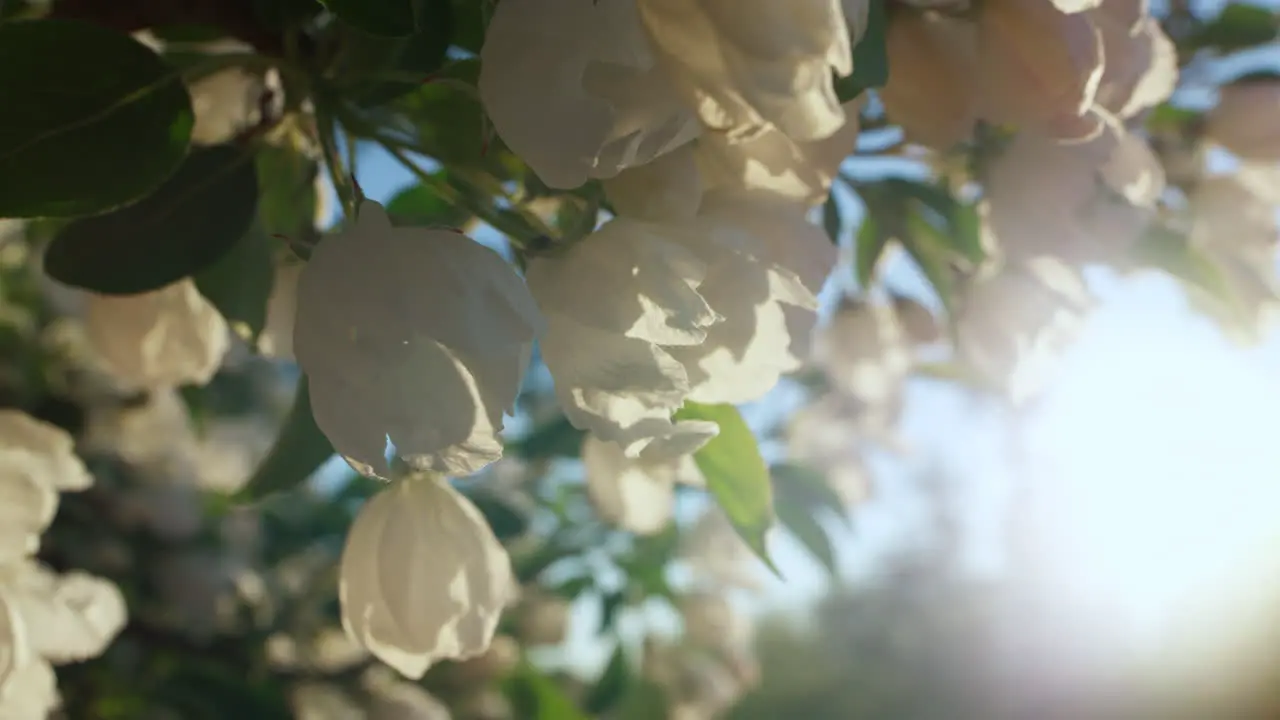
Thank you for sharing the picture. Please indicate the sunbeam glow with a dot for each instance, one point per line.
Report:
(1155, 460)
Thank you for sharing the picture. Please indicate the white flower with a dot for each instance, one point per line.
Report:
(276, 339)
(766, 263)
(717, 554)
(635, 494)
(747, 64)
(68, 618)
(229, 102)
(801, 171)
(573, 88)
(49, 445)
(864, 351)
(828, 435)
(1242, 121)
(164, 338)
(669, 188)
(1013, 325)
(423, 578)
(1141, 68)
(28, 501)
(405, 701)
(543, 619)
(711, 621)
(151, 432)
(416, 335)
(617, 303)
(15, 652)
(1236, 228)
(31, 693)
(1085, 202)
(933, 90)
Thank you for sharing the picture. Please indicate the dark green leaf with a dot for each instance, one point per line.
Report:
(1239, 26)
(451, 124)
(736, 474)
(554, 438)
(806, 488)
(802, 524)
(469, 24)
(422, 205)
(299, 450)
(389, 18)
(644, 700)
(287, 191)
(186, 225)
(870, 57)
(868, 247)
(932, 253)
(611, 686)
(97, 123)
(239, 284)
(506, 521)
(282, 14)
(831, 218)
(537, 697)
(610, 604)
(367, 59)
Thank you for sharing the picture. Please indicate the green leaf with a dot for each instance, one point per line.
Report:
(537, 697)
(373, 69)
(610, 604)
(802, 525)
(807, 488)
(299, 450)
(869, 246)
(736, 474)
(239, 284)
(451, 124)
(932, 253)
(97, 123)
(1239, 26)
(870, 57)
(505, 520)
(611, 686)
(388, 18)
(286, 191)
(186, 225)
(554, 438)
(422, 205)
(831, 218)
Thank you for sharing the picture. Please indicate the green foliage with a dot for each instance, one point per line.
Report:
(101, 123)
(299, 450)
(239, 283)
(1239, 26)
(803, 496)
(536, 697)
(870, 56)
(389, 18)
(424, 205)
(186, 225)
(736, 475)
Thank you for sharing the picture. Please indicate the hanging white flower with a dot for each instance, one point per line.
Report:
(413, 334)
(49, 445)
(617, 303)
(164, 338)
(864, 351)
(669, 188)
(276, 339)
(801, 171)
(15, 652)
(30, 693)
(28, 501)
(231, 101)
(1141, 68)
(68, 618)
(573, 88)
(747, 64)
(635, 494)
(423, 578)
(766, 263)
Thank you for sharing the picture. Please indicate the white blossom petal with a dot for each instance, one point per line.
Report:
(276, 338)
(412, 334)
(573, 88)
(15, 652)
(69, 618)
(669, 188)
(50, 444)
(1242, 121)
(423, 578)
(164, 338)
(865, 352)
(635, 494)
(31, 693)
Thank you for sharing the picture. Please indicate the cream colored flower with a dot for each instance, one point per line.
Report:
(573, 88)
(864, 352)
(828, 435)
(1014, 324)
(766, 265)
(542, 618)
(31, 692)
(231, 101)
(801, 171)
(712, 622)
(15, 651)
(1141, 61)
(635, 494)
(1243, 120)
(164, 338)
(276, 339)
(933, 90)
(405, 701)
(717, 555)
(669, 188)
(423, 578)
(28, 502)
(1083, 202)
(1040, 67)
(49, 445)
(417, 335)
(747, 64)
(617, 304)
(68, 618)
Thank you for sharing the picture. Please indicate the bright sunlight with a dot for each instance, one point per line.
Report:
(1155, 458)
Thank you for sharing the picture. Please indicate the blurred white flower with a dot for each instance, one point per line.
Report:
(798, 170)
(1236, 228)
(68, 618)
(573, 88)
(164, 338)
(828, 436)
(231, 101)
(1013, 325)
(864, 351)
(31, 692)
(1242, 121)
(276, 339)
(423, 578)
(542, 618)
(933, 90)
(717, 555)
(1141, 69)
(49, 445)
(485, 703)
(635, 494)
(713, 623)
(766, 263)
(15, 652)
(747, 64)
(617, 303)
(321, 701)
(405, 701)
(416, 335)
(197, 588)
(154, 430)
(916, 320)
